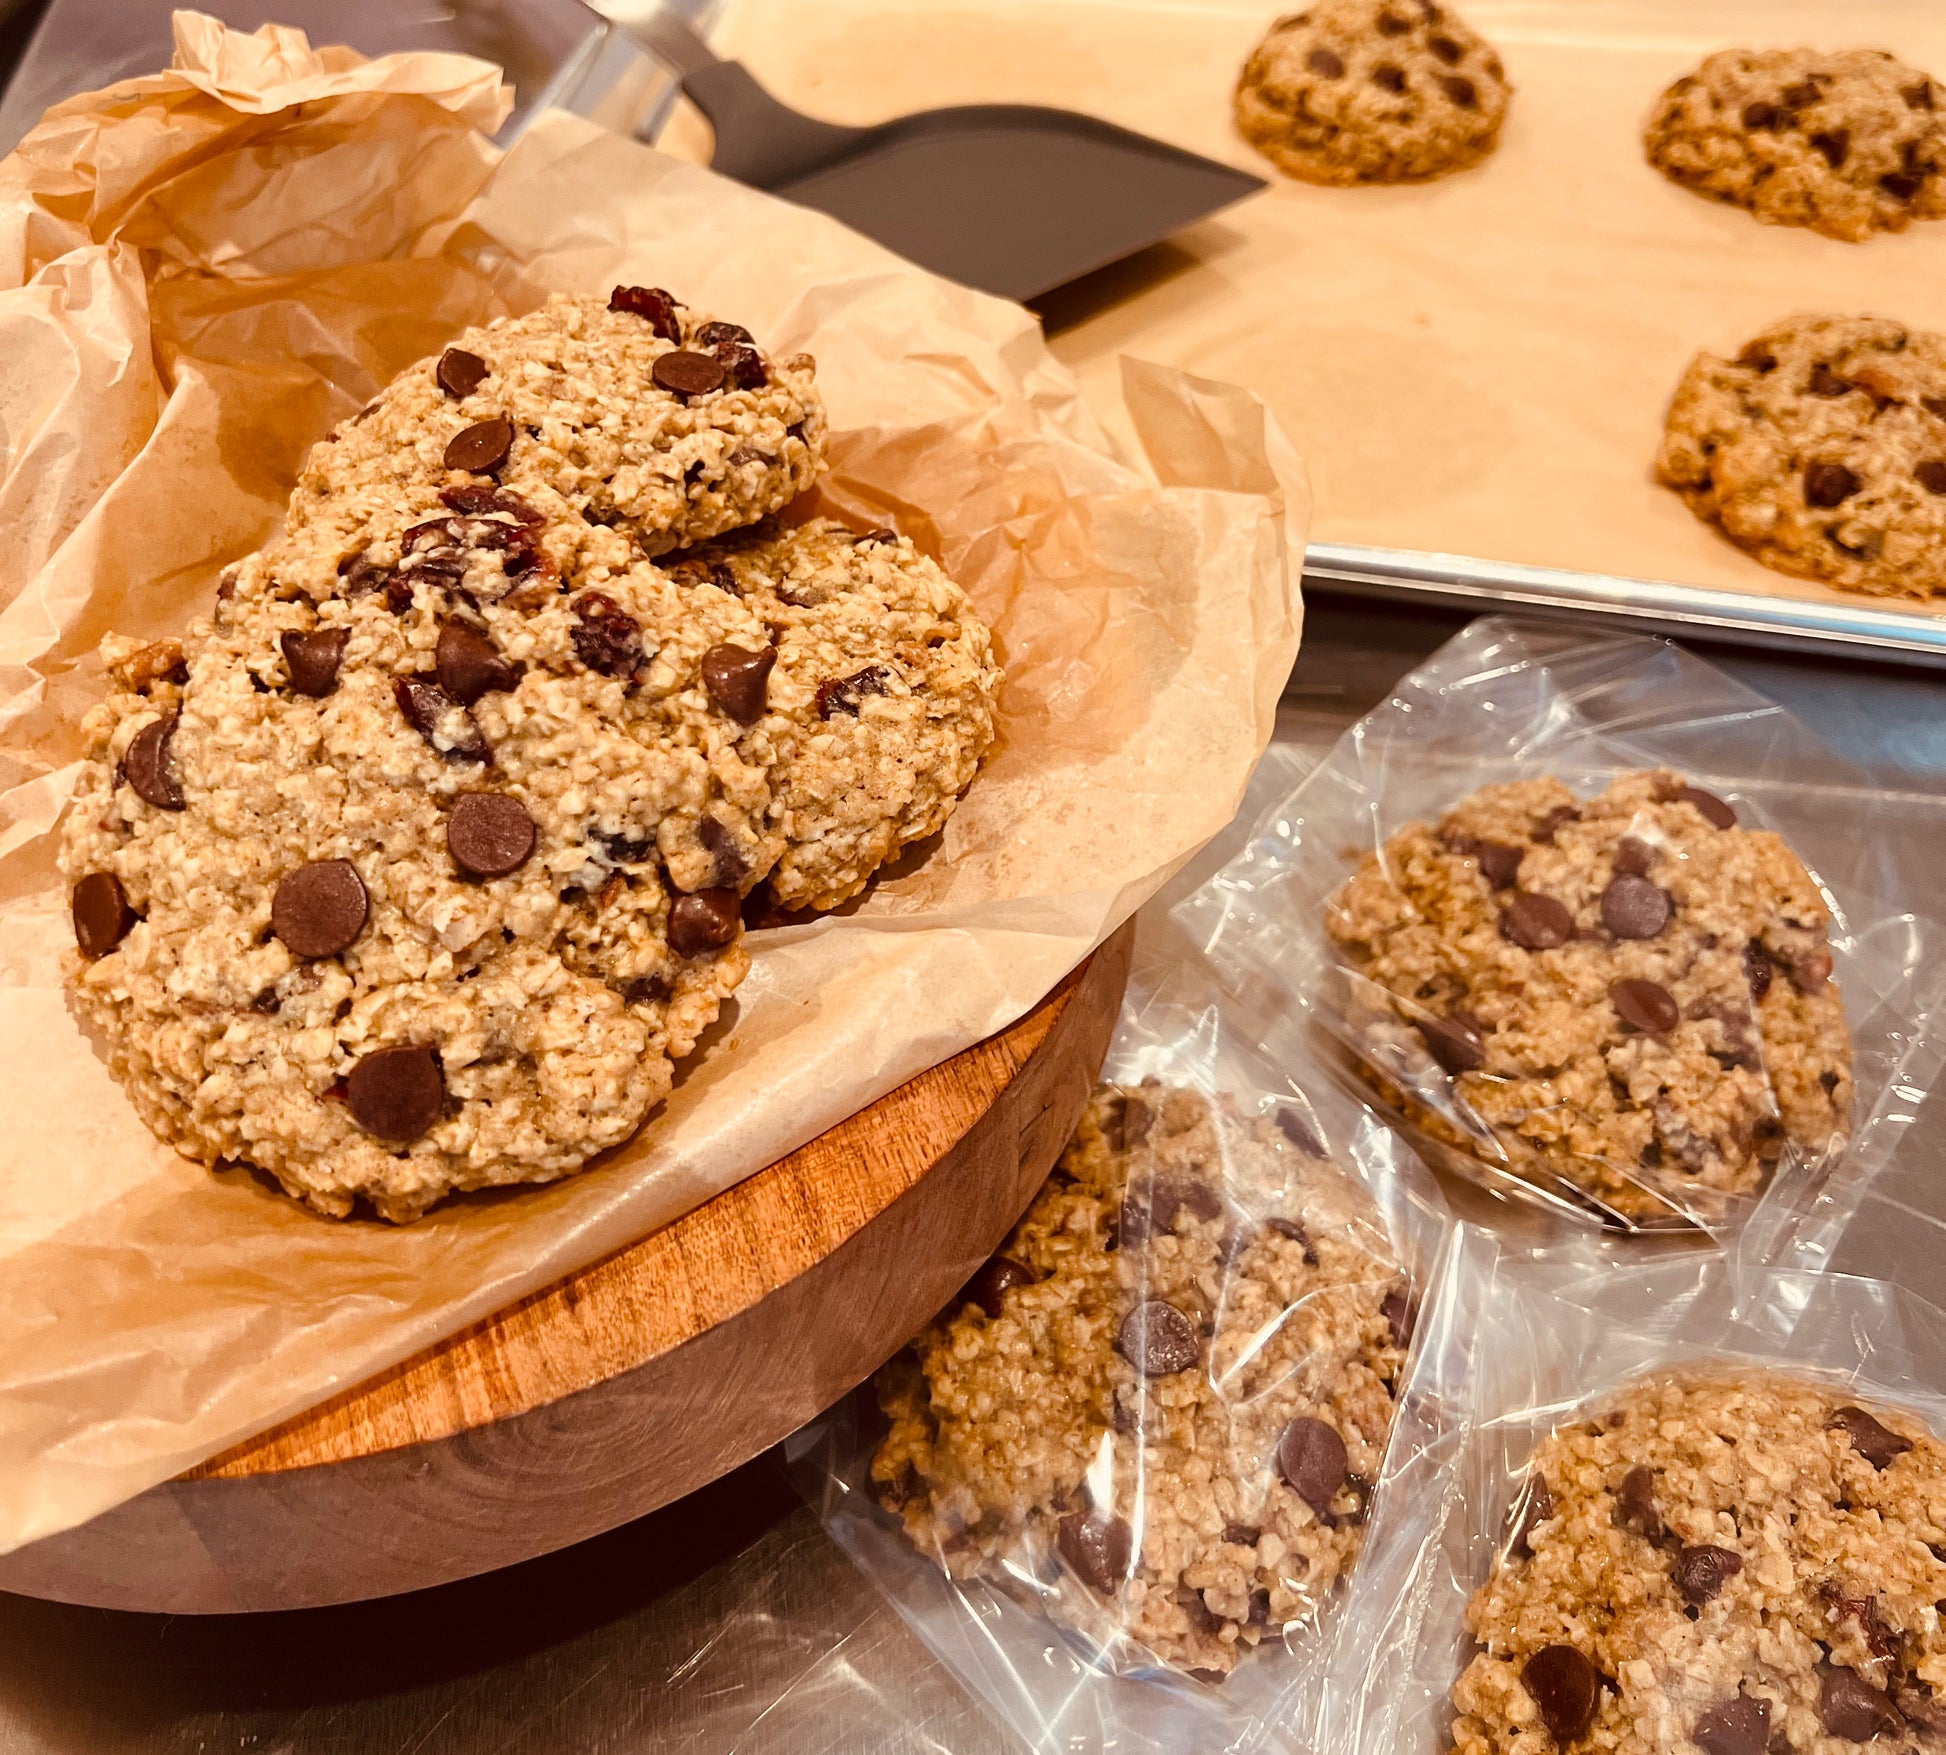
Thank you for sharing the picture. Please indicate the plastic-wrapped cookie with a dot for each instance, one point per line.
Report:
(881, 699)
(634, 427)
(1627, 999)
(1846, 141)
(1372, 91)
(425, 885)
(1821, 449)
(1742, 1564)
(1166, 1398)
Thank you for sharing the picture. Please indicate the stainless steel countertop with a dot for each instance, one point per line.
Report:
(728, 1621)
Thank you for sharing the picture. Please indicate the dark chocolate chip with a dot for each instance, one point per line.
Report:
(1850, 1707)
(1172, 1196)
(1453, 1042)
(425, 706)
(743, 369)
(266, 1002)
(1532, 1508)
(683, 373)
(489, 834)
(998, 1276)
(1561, 813)
(1536, 922)
(1702, 1571)
(395, 1094)
(1632, 907)
(1834, 143)
(319, 908)
(1242, 1535)
(1757, 357)
(1635, 1506)
(1825, 382)
(1098, 1548)
(1158, 1340)
(1829, 484)
(1296, 1127)
(461, 373)
(842, 694)
(1401, 1313)
(706, 920)
(1737, 1727)
(645, 990)
(606, 637)
(1634, 858)
(1311, 1457)
(1930, 475)
(1918, 1706)
(149, 765)
(1326, 62)
(1292, 1232)
(654, 306)
(1447, 50)
(1389, 78)
(313, 659)
(1760, 116)
(1390, 24)
(1500, 862)
(101, 913)
(1803, 94)
(1460, 91)
(1757, 969)
(727, 864)
(1715, 811)
(481, 448)
(737, 679)
(470, 665)
(1902, 185)
(1566, 1689)
(1877, 1444)
(1647, 1006)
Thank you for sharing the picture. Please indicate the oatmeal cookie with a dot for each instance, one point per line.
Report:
(1847, 142)
(1626, 996)
(882, 697)
(1168, 1395)
(1821, 449)
(1739, 1564)
(633, 427)
(1372, 91)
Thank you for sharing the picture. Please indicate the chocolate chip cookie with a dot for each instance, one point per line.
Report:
(1372, 91)
(1821, 449)
(1847, 141)
(1737, 1564)
(1626, 998)
(1167, 1397)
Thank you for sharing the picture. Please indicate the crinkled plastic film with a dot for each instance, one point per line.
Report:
(1242, 1164)
(1511, 1351)
(1511, 701)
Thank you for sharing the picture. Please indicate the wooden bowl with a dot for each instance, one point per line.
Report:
(630, 1383)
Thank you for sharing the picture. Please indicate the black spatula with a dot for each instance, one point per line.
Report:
(1011, 198)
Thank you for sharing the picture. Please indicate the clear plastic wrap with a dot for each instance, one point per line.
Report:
(1545, 901)
(1713, 1482)
(1118, 1486)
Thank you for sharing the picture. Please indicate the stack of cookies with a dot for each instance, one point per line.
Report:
(419, 864)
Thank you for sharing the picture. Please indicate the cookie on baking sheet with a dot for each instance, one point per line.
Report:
(882, 696)
(1625, 994)
(1169, 1393)
(1746, 1564)
(633, 426)
(1372, 91)
(1821, 448)
(1845, 141)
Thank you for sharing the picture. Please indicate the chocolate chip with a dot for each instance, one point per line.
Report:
(1296, 1127)
(266, 1002)
(1714, 811)
(1850, 1707)
(1565, 1688)
(1877, 1444)
(481, 448)
(1931, 475)
(1098, 1548)
(1918, 1707)
(1645, 1005)
(1242, 1535)
(1757, 357)
(1829, 484)
(1560, 814)
(1536, 922)
(1312, 1459)
(1447, 50)
(1453, 1042)
(426, 706)
(727, 864)
(685, 374)
(1390, 24)
(1401, 1315)
(1835, 144)
(489, 834)
(1633, 858)
(1325, 62)
(313, 659)
(1389, 78)
(606, 637)
(1702, 1571)
(1532, 1508)
(1760, 116)
(743, 369)
(1918, 97)
(1757, 969)
(319, 908)
(1292, 1232)
(706, 920)
(998, 1276)
(1737, 1727)
(1158, 1340)
(1635, 1506)
(1203, 1620)
(1632, 907)
(842, 694)
(149, 766)
(460, 373)
(654, 306)
(1902, 185)
(470, 665)
(737, 679)
(1169, 1197)
(101, 913)
(645, 990)
(1499, 862)
(395, 1094)
(1803, 94)
(1459, 91)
